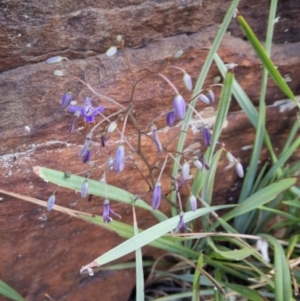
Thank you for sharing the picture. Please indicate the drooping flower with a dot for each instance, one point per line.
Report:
(198, 164)
(156, 196)
(179, 106)
(66, 100)
(119, 162)
(204, 99)
(51, 202)
(193, 202)
(103, 139)
(171, 118)
(87, 110)
(107, 211)
(178, 54)
(239, 169)
(84, 189)
(111, 51)
(262, 246)
(54, 60)
(85, 146)
(58, 73)
(87, 155)
(211, 96)
(206, 136)
(156, 139)
(181, 225)
(185, 170)
(112, 126)
(187, 81)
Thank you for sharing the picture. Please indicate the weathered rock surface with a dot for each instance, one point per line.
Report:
(41, 253)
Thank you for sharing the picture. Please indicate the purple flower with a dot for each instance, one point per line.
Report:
(171, 118)
(66, 100)
(179, 106)
(198, 164)
(193, 202)
(185, 170)
(239, 169)
(107, 211)
(54, 60)
(211, 96)
(119, 162)
(73, 123)
(103, 140)
(204, 99)
(85, 146)
(187, 81)
(86, 157)
(181, 225)
(87, 110)
(51, 202)
(84, 189)
(206, 136)
(156, 196)
(156, 139)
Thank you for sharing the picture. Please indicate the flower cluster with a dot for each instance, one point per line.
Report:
(108, 125)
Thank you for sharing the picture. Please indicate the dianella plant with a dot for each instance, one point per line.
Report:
(233, 256)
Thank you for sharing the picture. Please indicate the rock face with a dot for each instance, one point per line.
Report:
(42, 253)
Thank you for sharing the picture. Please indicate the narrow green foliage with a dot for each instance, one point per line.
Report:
(283, 284)
(268, 64)
(95, 188)
(245, 291)
(139, 272)
(151, 234)
(232, 254)
(7, 291)
(196, 287)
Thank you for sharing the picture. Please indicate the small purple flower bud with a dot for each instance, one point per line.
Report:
(171, 118)
(181, 225)
(198, 164)
(193, 202)
(211, 96)
(204, 99)
(51, 202)
(187, 81)
(156, 196)
(216, 79)
(103, 140)
(156, 139)
(206, 137)
(54, 60)
(239, 169)
(84, 189)
(107, 211)
(178, 54)
(86, 157)
(185, 170)
(113, 125)
(58, 73)
(73, 124)
(119, 162)
(111, 51)
(66, 100)
(179, 106)
(85, 146)
(230, 157)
